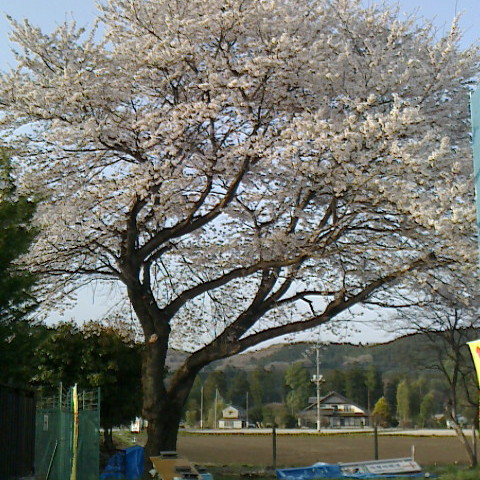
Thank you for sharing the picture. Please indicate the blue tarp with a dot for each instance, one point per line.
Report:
(326, 470)
(332, 470)
(125, 465)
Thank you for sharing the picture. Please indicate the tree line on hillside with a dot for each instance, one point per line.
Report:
(95, 355)
(417, 399)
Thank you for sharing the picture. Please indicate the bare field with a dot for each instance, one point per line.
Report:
(306, 450)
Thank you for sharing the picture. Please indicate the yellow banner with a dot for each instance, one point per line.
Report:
(73, 475)
(475, 351)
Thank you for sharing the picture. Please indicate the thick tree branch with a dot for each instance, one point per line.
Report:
(191, 223)
(261, 266)
(338, 305)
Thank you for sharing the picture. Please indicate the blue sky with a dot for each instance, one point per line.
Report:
(48, 13)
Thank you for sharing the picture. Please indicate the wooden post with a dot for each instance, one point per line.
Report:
(474, 442)
(274, 445)
(375, 442)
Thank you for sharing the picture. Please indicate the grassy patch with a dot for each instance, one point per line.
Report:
(124, 439)
(456, 472)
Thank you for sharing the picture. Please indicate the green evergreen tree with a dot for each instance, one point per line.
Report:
(92, 356)
(335, 381)
(372, 381)
(192, 413)
(212, 418)
(196, 391)
(268, 415)
(418, 389)
(390, 393)
(273, 386)
(297, 378)
(427, 409)
(18, 343)
(403, 403)
(238, 388)
(257, 390)
(216, 380)
(18, 339)
(355, 387)
(16, 236)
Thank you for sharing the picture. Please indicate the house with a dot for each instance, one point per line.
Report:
(336, 411)
(232, 417)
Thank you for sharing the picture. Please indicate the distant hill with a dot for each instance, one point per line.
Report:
(340, 356)
(398, 356)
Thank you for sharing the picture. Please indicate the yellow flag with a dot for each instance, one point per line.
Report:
(73, 475)
(475, 351)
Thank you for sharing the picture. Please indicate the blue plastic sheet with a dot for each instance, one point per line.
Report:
(115, 467)
(332, 470)
(134, 463)
(125, 465)
(326, 470)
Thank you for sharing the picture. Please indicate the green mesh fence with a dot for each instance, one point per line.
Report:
(54, 436)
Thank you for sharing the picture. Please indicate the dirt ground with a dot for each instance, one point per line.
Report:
(306, 450)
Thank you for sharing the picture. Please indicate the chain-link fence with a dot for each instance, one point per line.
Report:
(67, 438)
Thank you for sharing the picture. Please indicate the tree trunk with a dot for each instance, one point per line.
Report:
(163, 430)
(162, 407)
(452, 413)
(466, 444)
(108, 440)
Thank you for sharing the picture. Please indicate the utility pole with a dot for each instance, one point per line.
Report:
(319, 413)
(318, 379)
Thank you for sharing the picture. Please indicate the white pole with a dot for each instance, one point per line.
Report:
(319, 419)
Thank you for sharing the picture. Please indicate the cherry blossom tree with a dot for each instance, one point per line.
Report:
(246, 169)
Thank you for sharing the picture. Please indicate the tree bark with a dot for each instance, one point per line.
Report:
(452, 413)
(108, 440)
(466, 444)
(162, 407)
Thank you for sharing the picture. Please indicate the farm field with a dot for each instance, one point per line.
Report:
(298, 450)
